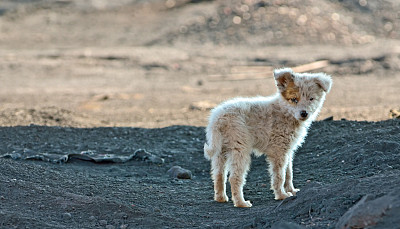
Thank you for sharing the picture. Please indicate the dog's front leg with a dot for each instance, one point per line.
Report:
(277, 169)
(289, 188)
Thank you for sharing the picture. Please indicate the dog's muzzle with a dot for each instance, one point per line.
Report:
(303, 114)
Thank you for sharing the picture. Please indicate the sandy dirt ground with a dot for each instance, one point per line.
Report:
(98, 70)
(143, 64)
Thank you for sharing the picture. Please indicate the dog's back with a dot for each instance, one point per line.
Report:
(234, 112)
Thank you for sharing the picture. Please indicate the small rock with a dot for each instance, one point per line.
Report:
(66, 215)
(110, 227)
(156, 160)
(15, 155)
(143, 155)
(179, 172)
(92, 218)
(120, 215)
(202, 106)
(103, 222)
(29, 152)
(394, 113)
(124, 226)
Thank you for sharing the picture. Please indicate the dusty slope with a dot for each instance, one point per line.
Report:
(340, 163)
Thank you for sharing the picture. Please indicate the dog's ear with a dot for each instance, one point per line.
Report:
(283, 77)
(324, 82)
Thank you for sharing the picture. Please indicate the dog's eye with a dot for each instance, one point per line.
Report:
(294, 100)
(311, 99)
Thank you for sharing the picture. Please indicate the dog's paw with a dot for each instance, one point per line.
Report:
(243, 204)
(283, 196)
(221, 198)
(294, 191)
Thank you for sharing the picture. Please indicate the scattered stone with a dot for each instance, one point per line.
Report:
(66, 215)
(142, 154)
(155, 159)
(368, 211)
(328, 119)
(394, 113)
(110, 227)
(202, 106)
(103, 222)
(15, 155)
(86, 155)
(92, 218)
(120, 215)
(146, 156)
(179, 172)
(101, 97)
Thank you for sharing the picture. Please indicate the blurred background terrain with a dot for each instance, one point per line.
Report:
(158, 63)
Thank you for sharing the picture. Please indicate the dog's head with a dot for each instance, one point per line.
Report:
(303, 93)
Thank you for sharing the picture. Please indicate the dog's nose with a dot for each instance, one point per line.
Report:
(303, 114)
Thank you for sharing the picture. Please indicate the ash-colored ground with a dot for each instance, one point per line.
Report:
(160, 63)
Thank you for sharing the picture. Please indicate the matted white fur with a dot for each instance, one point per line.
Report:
(274, 126)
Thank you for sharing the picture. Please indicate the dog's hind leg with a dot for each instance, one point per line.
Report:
(219, 174)
(240, 164)
(289, 178)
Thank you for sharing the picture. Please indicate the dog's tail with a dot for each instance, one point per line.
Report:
(214, 144)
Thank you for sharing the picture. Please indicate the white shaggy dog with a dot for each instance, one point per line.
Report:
(274, 126)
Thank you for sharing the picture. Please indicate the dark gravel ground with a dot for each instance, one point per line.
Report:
(340, 163)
